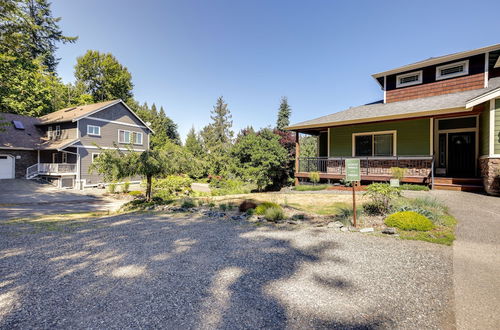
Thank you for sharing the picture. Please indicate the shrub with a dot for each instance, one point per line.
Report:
(373, 208)
(409, 220)
(250, 211)
(136, 193)
(306, 187)
(126, 187)
(112, 188)
(247, 205)
(173, 185)
(426, 206)
(274, 213)
(314, 177)
(222, 187)
(343, 211)
(398, 173)
(345, 183)
(416, 187)
(188, 203)
(383, 194)
(262, 207)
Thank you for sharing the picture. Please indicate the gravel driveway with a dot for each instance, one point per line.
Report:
(186, 272)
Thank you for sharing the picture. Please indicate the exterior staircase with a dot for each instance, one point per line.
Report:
(459, 184)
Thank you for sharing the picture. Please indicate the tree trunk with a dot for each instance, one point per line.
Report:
(148, 188)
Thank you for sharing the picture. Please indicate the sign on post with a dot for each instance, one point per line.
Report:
(352, 170)
(353, 174)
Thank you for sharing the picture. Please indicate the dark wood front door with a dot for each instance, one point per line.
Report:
(461, 154)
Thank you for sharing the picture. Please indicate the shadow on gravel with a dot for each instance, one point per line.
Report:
(170, 272)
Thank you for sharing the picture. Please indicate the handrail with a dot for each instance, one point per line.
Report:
(416, 165)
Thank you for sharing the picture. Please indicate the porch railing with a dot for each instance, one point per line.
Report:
(420, 166)
(50, 168)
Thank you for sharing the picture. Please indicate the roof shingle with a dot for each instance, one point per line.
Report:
(405, 109)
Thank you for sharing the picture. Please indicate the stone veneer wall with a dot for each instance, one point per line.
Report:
(490, 172)
(25, 160)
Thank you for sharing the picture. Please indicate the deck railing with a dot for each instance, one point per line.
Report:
(420, 166)
(50, 169)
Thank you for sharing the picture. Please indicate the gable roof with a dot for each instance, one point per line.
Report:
(446, 103)
(28, 138)
(75, 113)
(82, 111)
(437, 60)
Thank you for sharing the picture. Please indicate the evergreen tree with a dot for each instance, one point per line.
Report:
(28, 30)
(103, 76)
(218, 134)
(193, 143)
(283, 114)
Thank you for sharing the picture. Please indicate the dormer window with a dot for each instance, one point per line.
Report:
(409, 79)
(456, 69)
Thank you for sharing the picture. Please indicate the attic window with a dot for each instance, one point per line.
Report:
(456, 69)
(18, 124)
(408, 79)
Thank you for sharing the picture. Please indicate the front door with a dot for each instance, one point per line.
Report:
(461, 154)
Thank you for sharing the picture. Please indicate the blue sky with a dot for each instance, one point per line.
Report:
(320, 54)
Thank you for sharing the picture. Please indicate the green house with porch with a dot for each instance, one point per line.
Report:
(439, 119)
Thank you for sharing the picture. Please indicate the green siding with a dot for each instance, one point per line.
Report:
(484, 131)
(413, 136)
(496, 137)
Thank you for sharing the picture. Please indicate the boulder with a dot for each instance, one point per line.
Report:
(389, 231)
(247, 205)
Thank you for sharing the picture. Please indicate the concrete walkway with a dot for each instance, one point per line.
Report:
(476, 259)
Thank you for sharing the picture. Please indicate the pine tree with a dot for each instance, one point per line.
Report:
(283, 114)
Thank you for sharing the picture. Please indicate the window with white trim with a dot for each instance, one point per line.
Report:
(58, 131)
(409, 79)
(49, 132)
(124, 136)
(456, 69)
(129, 137)
(95, 155)
(93, 130)
(137, 138)
(64, 157)
(374, 144)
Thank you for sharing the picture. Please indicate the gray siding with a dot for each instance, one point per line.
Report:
(86, 161)
(108, 138)
(109, 134)
(68, 129)
(118, 112)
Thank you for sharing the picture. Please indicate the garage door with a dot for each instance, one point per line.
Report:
(6, 167)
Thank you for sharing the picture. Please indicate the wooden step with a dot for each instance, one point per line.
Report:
(459, 181)
(458, 187)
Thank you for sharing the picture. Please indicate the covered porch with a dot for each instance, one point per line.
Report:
(59, 167)
(441, 150)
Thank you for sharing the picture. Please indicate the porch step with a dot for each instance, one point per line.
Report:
(458, 187)
(459, 181)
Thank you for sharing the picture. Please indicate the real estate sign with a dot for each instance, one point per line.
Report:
(352, 170)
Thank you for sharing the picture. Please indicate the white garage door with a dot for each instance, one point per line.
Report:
(6, 167)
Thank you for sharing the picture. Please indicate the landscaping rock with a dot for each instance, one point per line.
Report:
(366, 230)
(247, 205)
(344, 229)
(389, 231)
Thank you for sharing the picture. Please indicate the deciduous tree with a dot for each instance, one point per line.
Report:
(103, 76)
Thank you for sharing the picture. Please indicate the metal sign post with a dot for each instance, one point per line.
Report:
(353, 174)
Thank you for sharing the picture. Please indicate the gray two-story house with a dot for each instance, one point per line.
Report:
(61, 146)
